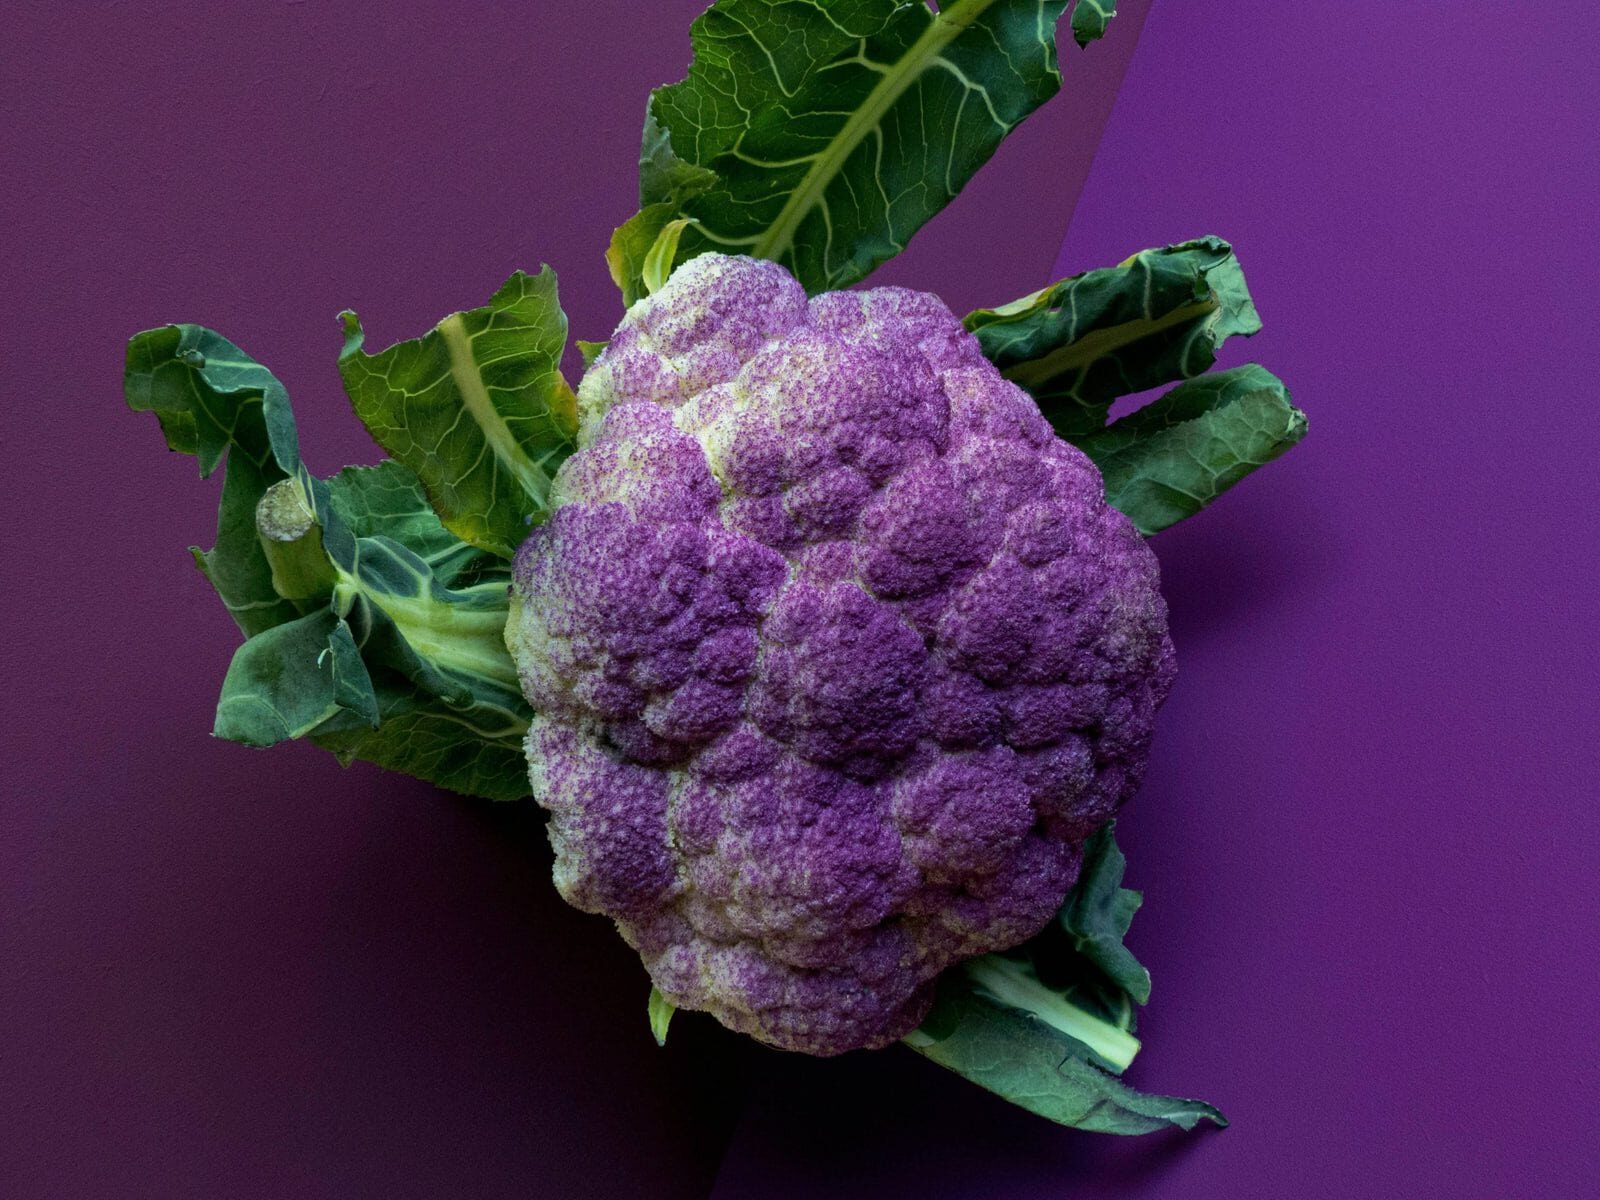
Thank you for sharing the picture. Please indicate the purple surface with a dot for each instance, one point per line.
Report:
(1369, 839)
(224, 973)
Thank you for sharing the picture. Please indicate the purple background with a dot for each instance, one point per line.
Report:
(241, 974)
(1369, 838)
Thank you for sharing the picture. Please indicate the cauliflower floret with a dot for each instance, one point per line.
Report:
(838, 653)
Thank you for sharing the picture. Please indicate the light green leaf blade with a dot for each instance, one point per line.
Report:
(477, 408)
(1171, 458)
(1081, 343)
(823, 135)
(660, 1010)
(589, 351)
(665, 184)
(663, 254)
(631, 243)
(212, 400)
(1025, 1061)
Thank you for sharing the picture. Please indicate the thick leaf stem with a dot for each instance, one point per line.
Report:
(465, 638)
(292, 542)
(1012, 984)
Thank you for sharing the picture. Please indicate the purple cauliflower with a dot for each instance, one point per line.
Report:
(837, 652)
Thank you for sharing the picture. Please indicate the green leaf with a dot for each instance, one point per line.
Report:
(1014, 982)
(373, 630)
(1099, 911)
(445, 702)
(1174, 456)
(664, 178)
(287, 681)
(1032, 1065)
(658, 262)
(661, 1010)
(475, 750)
(1090, 20)
(477, 409)
(450, 704)
(388, 501)
(1081, 343)
(1043, 1024)
(209, 396)
(824, 134)
(590, 351)
(631, 243)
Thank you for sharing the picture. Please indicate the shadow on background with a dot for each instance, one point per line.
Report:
(475, 963)
(867, 1124)
(1228, 562)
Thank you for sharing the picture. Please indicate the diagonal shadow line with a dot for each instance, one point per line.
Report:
(1081, 112)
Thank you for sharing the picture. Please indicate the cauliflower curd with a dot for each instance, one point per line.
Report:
(837, 652)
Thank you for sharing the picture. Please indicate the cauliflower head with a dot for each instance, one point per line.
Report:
(837, 652)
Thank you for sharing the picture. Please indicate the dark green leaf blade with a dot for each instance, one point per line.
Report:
(449, 746)
(286, 681)
(212, 400)
(210, 395)
(1099, 911)
(1081, 343)
(1048, 1025)
(823, 135)
(1171, 458)
(397, 668)
(429, 619)
(1023, 1060)
(1090, 19)
(477, 408)
(664, 178)
(388, 501)
(1081, 1006)
(392, 649)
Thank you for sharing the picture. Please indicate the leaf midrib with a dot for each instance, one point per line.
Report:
(1036, 372)
(945, 27)
(475, 395)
